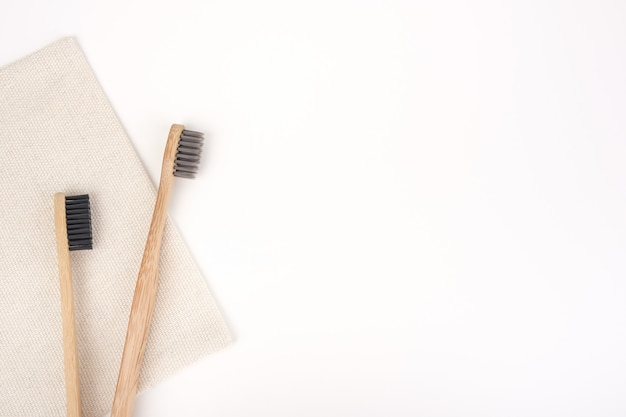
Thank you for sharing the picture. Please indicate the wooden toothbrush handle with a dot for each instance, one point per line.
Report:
(70, 351)
(146, 289)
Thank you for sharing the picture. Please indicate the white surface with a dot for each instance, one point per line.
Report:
(408, 208)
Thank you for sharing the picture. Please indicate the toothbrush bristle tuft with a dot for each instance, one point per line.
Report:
(78, 217)
(188, 154)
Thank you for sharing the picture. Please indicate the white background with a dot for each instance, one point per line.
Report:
(406, 208)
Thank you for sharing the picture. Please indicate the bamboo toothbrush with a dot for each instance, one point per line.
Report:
(72, 223)
(181, 159)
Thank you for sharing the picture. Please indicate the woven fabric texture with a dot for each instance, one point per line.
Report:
(58, 133)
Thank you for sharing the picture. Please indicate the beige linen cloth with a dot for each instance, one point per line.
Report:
(58, 133)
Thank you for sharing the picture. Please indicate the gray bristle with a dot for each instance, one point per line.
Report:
(78, 217)
(188, 154)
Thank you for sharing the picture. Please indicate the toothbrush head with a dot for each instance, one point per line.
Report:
(78, 219)
(188, 154)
